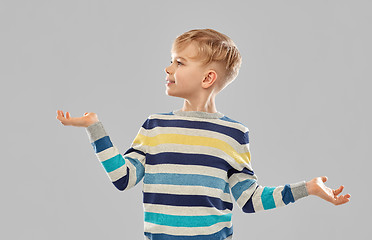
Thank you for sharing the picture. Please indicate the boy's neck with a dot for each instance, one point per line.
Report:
(200, 105)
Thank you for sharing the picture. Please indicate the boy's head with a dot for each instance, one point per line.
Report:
(202, 57)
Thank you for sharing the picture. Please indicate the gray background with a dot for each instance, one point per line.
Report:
(303, 91)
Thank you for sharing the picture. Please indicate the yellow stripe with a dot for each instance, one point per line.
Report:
(193, 140)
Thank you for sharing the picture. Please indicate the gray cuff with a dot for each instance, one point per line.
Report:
(95, 131)
(299, 190)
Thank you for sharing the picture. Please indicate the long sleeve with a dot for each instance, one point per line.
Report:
(124, 171)
(252, 197)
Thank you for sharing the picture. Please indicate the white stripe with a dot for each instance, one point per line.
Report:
(246, 195)
(277, 194)
(187, 169)
(187, 190)
(107, 153)
(122, 171)
(256, 199)
(188, 231)
(184, 211)
(132, 174)
(118, 173)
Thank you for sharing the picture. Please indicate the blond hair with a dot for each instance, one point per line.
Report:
(212, 47)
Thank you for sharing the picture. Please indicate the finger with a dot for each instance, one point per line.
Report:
(341, 200)
(60, 115)
(338, 191)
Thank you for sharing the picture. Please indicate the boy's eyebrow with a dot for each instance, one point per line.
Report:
(181, 58)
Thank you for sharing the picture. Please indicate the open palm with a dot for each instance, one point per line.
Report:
(84, 121)
(317, 187)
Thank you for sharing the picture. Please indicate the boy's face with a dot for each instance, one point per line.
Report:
(185, 76)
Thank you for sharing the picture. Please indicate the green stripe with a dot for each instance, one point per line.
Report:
(185, 221)
(267, 198)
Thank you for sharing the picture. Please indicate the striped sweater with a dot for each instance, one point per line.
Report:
(192, 164)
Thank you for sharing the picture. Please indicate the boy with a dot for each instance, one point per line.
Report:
(191, 159)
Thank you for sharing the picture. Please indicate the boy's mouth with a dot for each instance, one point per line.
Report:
(169, 81)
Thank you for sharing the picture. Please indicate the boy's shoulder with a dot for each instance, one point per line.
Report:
(223, 121)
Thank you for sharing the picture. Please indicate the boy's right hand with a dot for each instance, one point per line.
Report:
(84, 121)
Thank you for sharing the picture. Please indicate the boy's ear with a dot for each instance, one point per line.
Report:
(209, 79)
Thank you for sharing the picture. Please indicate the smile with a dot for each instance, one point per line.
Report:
(168, 82)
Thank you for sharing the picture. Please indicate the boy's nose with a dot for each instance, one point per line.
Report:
(166, 70)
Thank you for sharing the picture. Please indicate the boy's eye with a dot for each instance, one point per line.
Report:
(178, 62)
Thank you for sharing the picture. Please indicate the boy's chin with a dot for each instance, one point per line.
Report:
(169, 93)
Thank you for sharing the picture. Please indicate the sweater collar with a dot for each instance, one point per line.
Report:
(198, 114)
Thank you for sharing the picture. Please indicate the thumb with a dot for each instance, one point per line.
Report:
(85, 114)
(324, 179)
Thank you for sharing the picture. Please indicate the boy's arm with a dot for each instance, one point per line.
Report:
(252, 197)
(125, 171)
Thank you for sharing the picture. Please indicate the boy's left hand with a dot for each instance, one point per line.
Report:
(317, 187)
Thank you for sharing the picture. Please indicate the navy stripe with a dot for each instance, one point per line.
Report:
(287, 195)
(122, 182)
(224, 233)
(187, 159)
(234, 133)
(186, 200)
(130, 150)
(248, 207)
(101, 144)
(244, 170)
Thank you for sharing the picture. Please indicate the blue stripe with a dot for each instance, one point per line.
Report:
(287, 195)
(224, 233)
(101, 144)
(185, 221)
(186, 200)
(140, 169)
(168, 113)
(187, 159)
(267, 198)
(234, 133)
(240, 187)
(225, 118)
(187, 180)
(113, 163)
